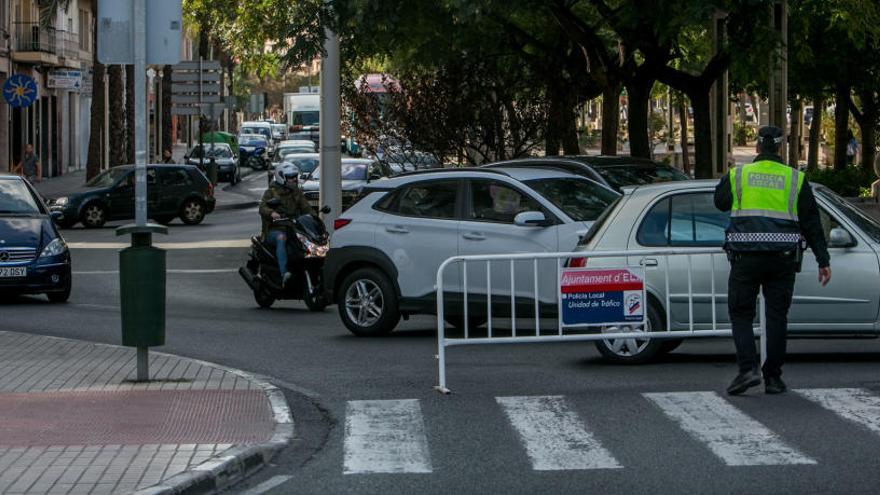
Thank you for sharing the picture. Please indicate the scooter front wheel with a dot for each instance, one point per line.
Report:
(264, 300)
(315, 302)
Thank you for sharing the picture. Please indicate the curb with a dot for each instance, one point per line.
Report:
(237, 206)
(232, 465)
(237, 463)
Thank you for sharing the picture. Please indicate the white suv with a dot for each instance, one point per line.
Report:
(386, 249)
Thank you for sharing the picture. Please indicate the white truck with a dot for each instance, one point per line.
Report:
(303, 112)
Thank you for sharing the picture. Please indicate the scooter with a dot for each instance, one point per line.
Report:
(307, 245)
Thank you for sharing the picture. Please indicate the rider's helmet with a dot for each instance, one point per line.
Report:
(284, 172)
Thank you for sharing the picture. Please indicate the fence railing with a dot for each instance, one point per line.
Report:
(477, 278)
(30, 37)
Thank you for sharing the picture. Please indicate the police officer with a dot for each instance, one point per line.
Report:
(771, 208)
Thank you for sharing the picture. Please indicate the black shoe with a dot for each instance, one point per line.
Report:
(774, 385)
(743, 382)
(286, 278)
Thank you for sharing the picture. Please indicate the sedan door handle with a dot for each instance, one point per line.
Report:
(649, 262)
(397, 229)
(474, 236)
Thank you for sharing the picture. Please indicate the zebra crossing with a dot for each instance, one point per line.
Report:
(389, 436)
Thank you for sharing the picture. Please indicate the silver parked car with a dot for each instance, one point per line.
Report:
(682, 216)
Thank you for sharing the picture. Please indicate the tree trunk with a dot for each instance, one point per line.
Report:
(794, 148)
(869, 150)
(610, 119)
(639, 93)
(167, 127)
(841, 125)
(685, 147)
(816, 132)
(96, 127)
(117, 116)
(568, 125)
(552, 136)
(129, 113)
(702, 134)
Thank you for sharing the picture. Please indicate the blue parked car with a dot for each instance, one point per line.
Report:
(34, 258)
(253, 151)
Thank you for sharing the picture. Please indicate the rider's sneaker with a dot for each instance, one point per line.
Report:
(287, 276)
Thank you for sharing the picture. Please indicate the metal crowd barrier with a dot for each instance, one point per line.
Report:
(625, 331)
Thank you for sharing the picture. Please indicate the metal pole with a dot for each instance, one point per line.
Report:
(159, 122)
(143, 364)
(140, 106)
(201, 139)
(106, 163)
(331, 157)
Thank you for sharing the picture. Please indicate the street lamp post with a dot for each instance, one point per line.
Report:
(330, 189)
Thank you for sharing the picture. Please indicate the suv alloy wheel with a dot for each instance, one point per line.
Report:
(368, 303)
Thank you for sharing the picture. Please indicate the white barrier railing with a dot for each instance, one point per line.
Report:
(634, 331)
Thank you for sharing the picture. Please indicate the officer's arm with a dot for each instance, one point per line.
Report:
(811, 224)
(723, 196)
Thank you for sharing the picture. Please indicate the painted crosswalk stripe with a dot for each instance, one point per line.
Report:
(854, 404)
(554, 436)
(728, 432)
(385, 436)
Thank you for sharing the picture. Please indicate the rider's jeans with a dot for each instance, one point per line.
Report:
(280, 239)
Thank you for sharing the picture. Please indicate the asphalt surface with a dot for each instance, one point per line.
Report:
(471, 443)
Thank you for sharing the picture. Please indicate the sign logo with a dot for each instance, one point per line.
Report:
(4, 256)
(20, 91)
(632, 302)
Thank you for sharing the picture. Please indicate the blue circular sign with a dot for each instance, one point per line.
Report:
(20, 91)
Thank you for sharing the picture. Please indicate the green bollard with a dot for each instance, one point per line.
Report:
(142, 292)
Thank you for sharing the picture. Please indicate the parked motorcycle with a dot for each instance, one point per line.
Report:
(307, 245)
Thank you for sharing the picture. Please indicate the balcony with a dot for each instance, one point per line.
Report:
(34, 44)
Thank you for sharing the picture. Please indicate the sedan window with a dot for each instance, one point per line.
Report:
(685, 220)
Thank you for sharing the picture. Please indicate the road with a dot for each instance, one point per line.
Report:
(549, 418)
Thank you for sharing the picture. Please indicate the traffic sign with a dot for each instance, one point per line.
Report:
(196, 65)
(188, 88)
(602, 296)
(20, 91)
(195, 99)
(183, 77)
(164, 28)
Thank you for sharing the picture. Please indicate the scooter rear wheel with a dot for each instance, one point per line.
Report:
(264, 300)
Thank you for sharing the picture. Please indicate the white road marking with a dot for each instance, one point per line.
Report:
(229, 243)
(257, 189)
(855, 404)
(385, 436)
(267, 485)
(194, 271)
(728, 432)
(554, 436)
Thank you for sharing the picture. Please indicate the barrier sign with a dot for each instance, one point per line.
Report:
(602, 296)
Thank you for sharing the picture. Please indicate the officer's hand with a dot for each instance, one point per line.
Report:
(824, 275)
(275, 215)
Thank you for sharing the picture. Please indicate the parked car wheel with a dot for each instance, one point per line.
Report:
(192, 212)
(264, 300)
(60, 297)
(368, 303)
(94, 215)
(636, 350)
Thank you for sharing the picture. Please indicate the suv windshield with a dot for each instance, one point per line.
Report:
(350, 171)
(263, 131)
(107, 178)
(305, 165)
(580, 199)
(16, 199)
(252, 141)
(868, 225)
(638, 175)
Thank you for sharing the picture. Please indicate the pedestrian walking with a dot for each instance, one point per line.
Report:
(29, 166)
(167, 157)
(852, 148)
(772, 208)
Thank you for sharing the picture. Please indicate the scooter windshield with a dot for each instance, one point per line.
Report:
(312, 226)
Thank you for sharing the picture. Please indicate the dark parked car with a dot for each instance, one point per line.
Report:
(33, 256)
(172, 191)
(612, 171)
(356, 174)
(223, 156)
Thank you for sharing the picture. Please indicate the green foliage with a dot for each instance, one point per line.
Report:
(743, 134)
(847, 182)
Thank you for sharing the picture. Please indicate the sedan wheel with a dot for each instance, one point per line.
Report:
(368, 303)
(192, 212)
(634, 350)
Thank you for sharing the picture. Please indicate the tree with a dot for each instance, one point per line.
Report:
(96, 124)
(130, 134)
(116, 105)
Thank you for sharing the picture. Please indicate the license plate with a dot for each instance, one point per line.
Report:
(13, 272)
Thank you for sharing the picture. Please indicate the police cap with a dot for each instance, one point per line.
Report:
(771, 134)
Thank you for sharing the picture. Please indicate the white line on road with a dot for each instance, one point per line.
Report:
(255, 189)
(229, 243)
(385, 436)
(855, 404)
(267, 485)
(728, 432)
(113, 272)
(554, 436)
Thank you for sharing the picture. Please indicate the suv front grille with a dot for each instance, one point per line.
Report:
(14, 256)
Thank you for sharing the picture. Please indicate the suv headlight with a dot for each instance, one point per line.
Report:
(54, 248)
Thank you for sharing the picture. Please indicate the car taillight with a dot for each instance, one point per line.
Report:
(577, 262)
(340, 222)
(210, 189)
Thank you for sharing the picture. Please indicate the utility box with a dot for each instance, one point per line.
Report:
(142, 291)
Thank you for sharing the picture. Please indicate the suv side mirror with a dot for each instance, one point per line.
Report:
(530, 219)
(840, 238)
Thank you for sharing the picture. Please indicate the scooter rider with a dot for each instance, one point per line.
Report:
(293, 204)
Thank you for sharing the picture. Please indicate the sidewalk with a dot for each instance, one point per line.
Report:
(72, 421)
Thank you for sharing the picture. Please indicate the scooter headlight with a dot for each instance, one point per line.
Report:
(312, 250)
